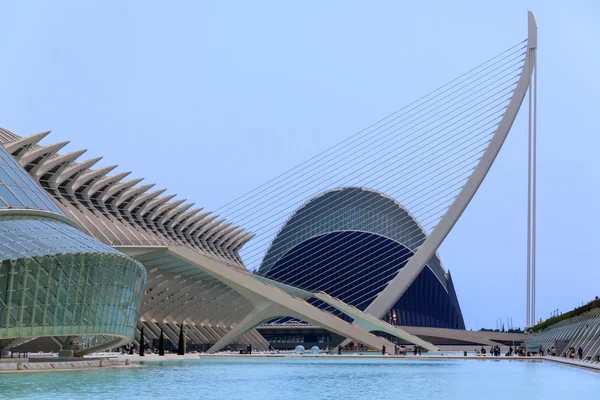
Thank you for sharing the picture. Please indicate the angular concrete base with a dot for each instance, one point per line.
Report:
(65, 354)
(370, 323)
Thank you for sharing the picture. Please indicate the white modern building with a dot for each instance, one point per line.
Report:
(195, 275)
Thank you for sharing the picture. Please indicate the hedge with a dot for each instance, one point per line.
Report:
(578, 311)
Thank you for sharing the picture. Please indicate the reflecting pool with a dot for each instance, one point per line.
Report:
(308, 379)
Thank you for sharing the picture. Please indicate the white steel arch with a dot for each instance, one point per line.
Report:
(398, 285)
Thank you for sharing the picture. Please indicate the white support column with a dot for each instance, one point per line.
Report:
(531, 186)
(269, 302)
(197, 333)
(534, 192)
(370, 323)
(262, 312)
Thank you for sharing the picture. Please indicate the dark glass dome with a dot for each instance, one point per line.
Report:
(357, 268)
(350, 242)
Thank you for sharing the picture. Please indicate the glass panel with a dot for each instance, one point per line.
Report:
(5, 177)
(47, 203)
(17, 176)
(4, 158)
(9, 197)
(23, 197)
(32, 195)
(26, 192)
(49, 236)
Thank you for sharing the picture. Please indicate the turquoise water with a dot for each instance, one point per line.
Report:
(310, 379)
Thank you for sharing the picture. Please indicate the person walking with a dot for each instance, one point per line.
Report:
(340, 350)
(383, 351)
(580, 352)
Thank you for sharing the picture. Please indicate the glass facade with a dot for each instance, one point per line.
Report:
(357, 268)
(349, 209)
(350, 243)
(19, 190)
(37, 236)
(70, 294)
(55, 280)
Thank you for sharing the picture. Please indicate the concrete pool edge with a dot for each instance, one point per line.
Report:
(592, 366)
(129, 361)
(65, 365)
(589, 365)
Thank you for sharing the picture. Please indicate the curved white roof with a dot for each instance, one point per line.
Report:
(121, 212)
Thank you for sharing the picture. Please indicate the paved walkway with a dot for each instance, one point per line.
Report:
(370, 355)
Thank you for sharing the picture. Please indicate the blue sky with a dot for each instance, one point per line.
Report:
(211, 99)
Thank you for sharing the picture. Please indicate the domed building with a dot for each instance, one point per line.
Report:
(350, 242)
(56, 281)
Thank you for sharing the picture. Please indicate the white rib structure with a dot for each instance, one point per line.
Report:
(131, 213)
(581, 331)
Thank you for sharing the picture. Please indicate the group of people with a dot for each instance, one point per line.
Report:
(494, 351)
(398, 350)
(132, 348)
(349, 347)
(401, 350)
(571, 353)
(129, 348)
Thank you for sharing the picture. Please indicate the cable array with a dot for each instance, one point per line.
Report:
(416, 160)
